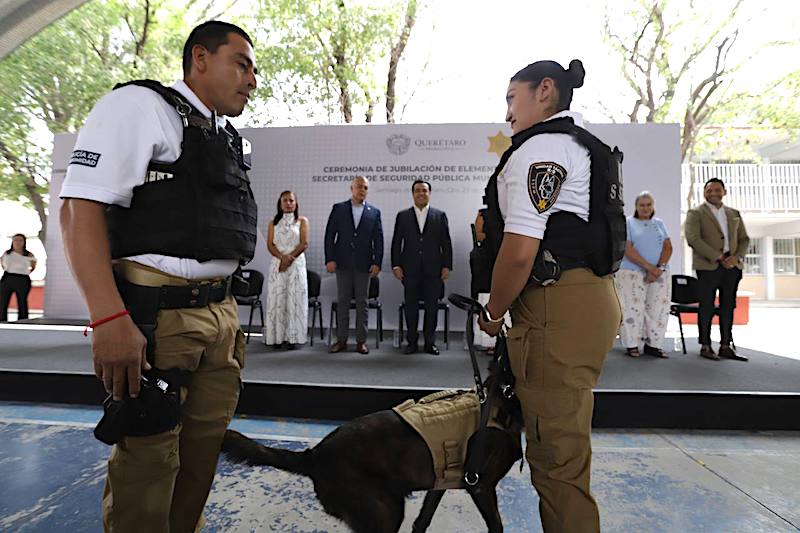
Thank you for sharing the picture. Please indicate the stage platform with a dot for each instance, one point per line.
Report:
(52, 363)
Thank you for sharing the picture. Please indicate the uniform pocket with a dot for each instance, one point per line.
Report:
(526, 352)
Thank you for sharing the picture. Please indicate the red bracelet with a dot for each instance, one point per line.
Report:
(103, 321)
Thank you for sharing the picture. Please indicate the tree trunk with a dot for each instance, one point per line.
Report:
(396, 55)
(30, 185)
(340, 67)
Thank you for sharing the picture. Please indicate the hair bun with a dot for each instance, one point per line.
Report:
(575, 73)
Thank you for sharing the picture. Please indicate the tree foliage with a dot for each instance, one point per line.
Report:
(324, 57)
(681, 64)
(49, 84)
(321, 61)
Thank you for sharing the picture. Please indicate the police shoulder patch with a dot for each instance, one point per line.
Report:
(85, 158)
(544, 183)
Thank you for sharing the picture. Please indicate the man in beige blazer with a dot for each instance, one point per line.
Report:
(719, 242)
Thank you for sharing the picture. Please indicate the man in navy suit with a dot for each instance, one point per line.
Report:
(422, 257)
(354, 251)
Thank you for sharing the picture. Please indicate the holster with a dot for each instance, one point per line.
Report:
(157, 408)
(239, 285)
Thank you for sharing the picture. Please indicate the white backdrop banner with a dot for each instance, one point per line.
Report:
(317, 164)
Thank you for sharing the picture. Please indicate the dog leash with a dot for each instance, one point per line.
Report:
(486, 398)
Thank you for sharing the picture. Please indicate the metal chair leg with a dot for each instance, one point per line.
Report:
(446, 328)
(378, 329)
(400, 313)
(321, 327)
(680, 326)
(330, 326)
(249, 324)
(313, 323)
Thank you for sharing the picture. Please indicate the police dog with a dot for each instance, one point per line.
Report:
(364, 470)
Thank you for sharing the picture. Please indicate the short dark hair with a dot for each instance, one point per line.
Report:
(565, 80)
(210, 35)
(714, 180)
(421, 181)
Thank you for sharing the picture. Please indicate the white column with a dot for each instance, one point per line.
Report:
(769, 267)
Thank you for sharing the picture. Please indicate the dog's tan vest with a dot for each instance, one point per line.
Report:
(445, 420)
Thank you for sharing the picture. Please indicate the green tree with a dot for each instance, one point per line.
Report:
(324, 56)
(49, 84)
(320, 59)
(681, 64)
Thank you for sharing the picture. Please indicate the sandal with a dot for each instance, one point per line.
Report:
(650, 350)
(633, 352)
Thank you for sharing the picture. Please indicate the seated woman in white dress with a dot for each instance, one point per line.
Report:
(287, 285)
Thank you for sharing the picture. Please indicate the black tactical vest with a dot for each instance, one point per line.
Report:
(598, 244)
(198, 207)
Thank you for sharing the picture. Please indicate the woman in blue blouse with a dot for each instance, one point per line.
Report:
(643, 281)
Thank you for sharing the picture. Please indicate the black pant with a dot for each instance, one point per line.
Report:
(18, 284)
(426, 289)
(727, 281)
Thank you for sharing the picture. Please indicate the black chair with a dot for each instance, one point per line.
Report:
(253, 296)
(373, 302)
(314, 284)
(441, 305)
(686, 299)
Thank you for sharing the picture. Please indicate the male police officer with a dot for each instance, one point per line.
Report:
(157, 186)
(560, 244)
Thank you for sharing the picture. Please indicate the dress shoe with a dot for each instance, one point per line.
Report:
(411, 348)
(727, 352)
(708, 353)
(362, 348)
(340, 346)
(431, 349)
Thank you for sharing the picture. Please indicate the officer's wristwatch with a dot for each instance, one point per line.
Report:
(662, 266)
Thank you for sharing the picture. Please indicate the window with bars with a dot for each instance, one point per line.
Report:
(786, 256)
(754, 260)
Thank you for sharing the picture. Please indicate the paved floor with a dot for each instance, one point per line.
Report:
(656, 481)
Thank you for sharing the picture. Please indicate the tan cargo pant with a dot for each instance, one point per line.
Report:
(557, 346)
(160, 483)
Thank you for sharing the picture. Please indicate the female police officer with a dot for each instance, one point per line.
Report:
(565, 316)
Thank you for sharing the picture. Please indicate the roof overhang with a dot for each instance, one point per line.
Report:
(22, 19)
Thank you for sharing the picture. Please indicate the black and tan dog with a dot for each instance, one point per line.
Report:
(364, 470)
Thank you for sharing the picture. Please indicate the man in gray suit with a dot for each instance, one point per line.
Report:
(719, 243)
(354, 251)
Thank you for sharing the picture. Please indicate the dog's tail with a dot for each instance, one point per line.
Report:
(241, 449)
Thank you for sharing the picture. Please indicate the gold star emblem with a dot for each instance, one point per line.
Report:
(499, 143)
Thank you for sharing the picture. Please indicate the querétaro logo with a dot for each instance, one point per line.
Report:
(85, 158)
(398, 143)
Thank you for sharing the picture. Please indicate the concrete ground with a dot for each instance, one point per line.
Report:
(52, 473)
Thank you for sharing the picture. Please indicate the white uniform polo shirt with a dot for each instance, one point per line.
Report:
(126, 129)
(549, 173)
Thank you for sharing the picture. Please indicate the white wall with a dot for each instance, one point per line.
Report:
(457, 162)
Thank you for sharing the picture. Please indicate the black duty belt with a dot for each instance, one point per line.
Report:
(173, 296)
(569, 264)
